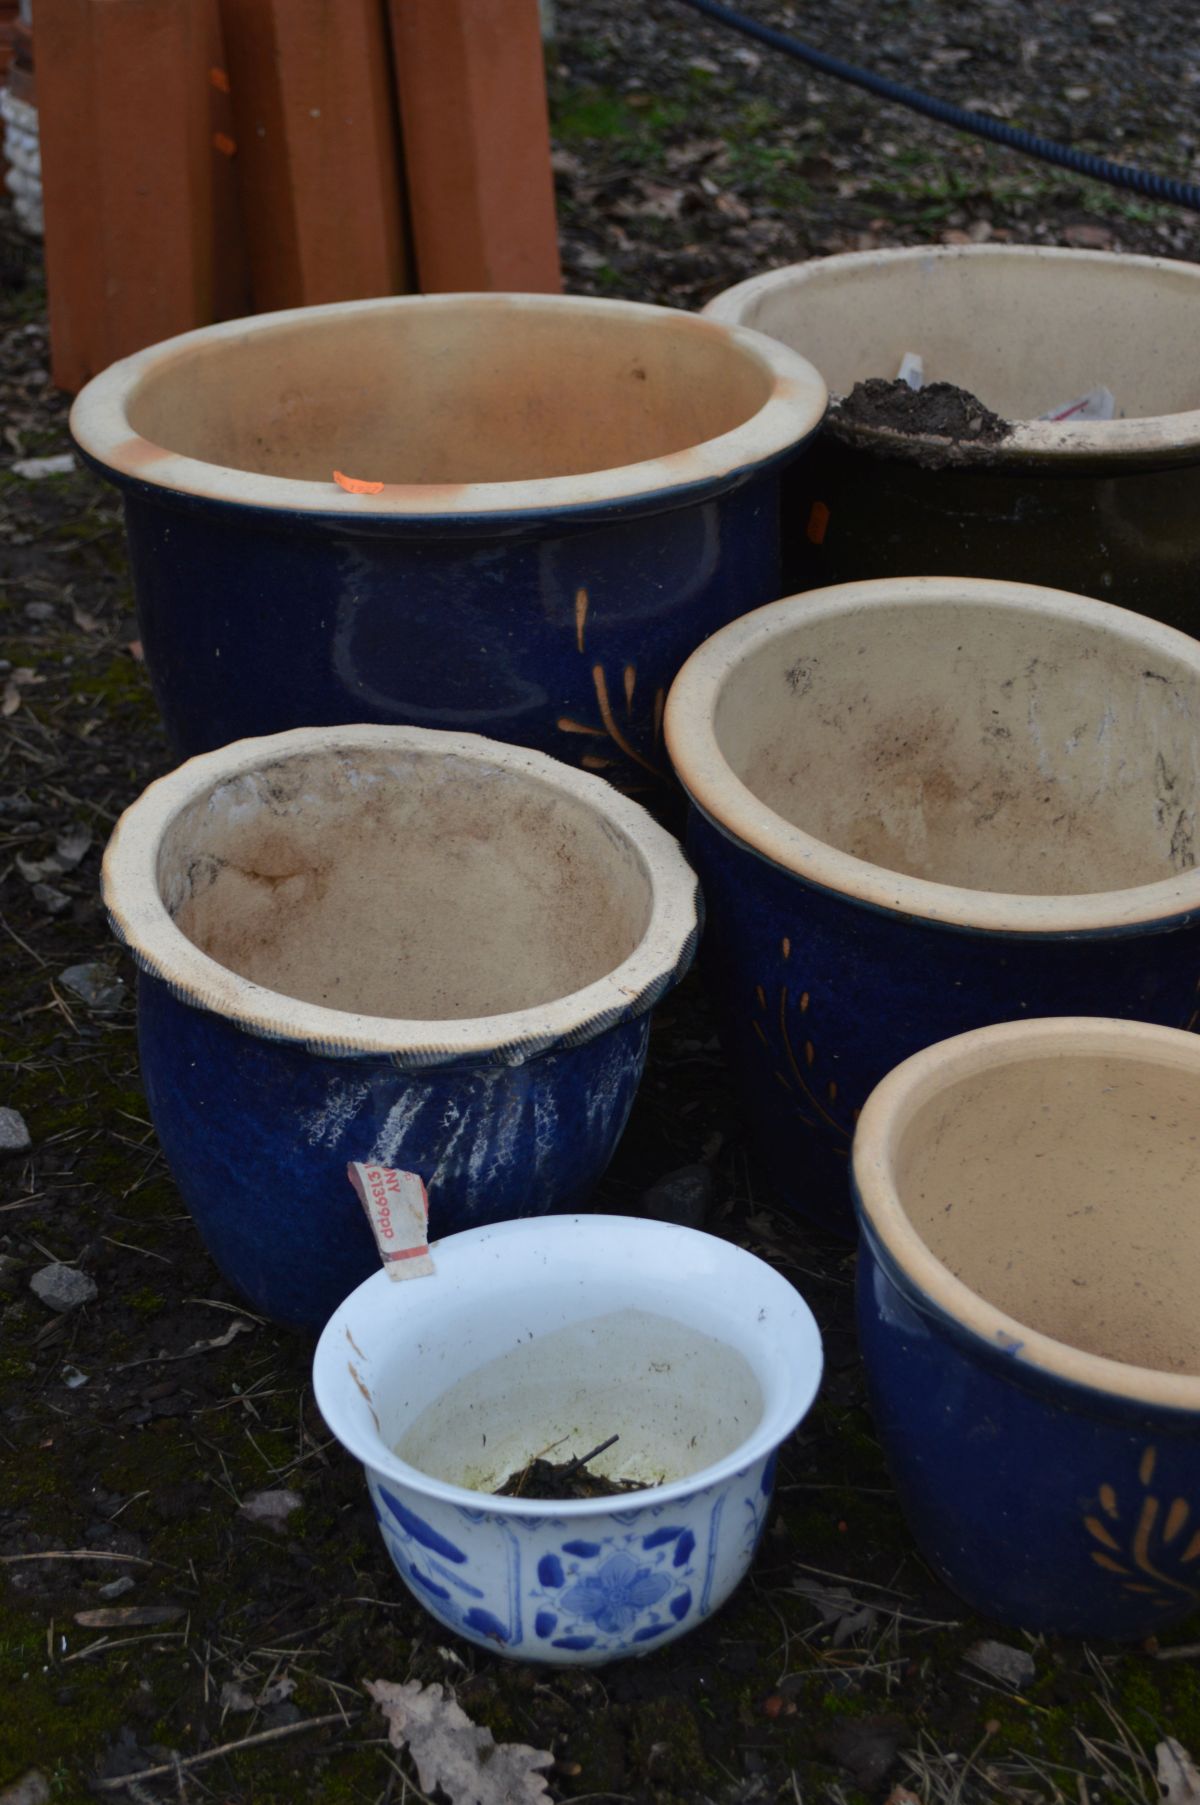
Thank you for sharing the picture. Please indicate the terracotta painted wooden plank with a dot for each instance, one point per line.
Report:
(318, 150)
(471, 82)
(141, 233)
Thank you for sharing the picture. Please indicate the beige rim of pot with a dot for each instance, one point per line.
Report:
(793, 410)
(715, 789)
(1156, 438)
(129, 883)
(893, 1104)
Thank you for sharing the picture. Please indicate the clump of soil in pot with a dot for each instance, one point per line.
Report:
(938, 410)
(555, 1480)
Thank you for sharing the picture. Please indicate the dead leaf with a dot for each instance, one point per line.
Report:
(134, 648)
(450, 1751)
(1177, 1774)
(87, 623)
(127, 1616)
(354, 485)
(849, 1615)
(206, 1347)
(12, 699)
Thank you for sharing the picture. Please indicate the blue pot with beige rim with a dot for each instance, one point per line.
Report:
(1027, 1313)
(419, 950)
(553, 500)
(922, 805)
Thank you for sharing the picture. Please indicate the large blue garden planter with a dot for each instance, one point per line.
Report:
(1026, 1312)
(921, 806)
(568, 496)
(387, 945)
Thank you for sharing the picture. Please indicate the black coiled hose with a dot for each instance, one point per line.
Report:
(1100, 169)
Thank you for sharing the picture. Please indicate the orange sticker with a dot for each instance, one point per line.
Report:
(818, 523)
(224, 144)
(354, 485)
(219, 80)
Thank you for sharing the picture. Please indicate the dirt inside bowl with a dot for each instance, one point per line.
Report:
(939, 410)
(554, 1480)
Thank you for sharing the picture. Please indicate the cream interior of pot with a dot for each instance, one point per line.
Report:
(471, 393)
(1063, 1189)
(676, 1399)
(994, 748)
(414, 886)
(1021, 330)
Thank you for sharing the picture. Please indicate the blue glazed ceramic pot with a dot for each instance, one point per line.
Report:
(1026, 1305)
(567, 496)
(419, 950)
(923, 805)
(546, 1339)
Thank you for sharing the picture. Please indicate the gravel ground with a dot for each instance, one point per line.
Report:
(135, 1426)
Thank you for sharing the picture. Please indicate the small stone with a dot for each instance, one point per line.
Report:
(235, 1698)
(34, 469)
(36, 871)
(100, 988)
(63, 1287)
(682, 1197)
(14, 1135)
(31, 1789)
(1015, 1667)
(54, 902)
(72, 844)
(117, 1588)
(272, 1508)
(38, 611)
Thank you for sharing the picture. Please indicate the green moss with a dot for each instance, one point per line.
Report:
(665, 1743)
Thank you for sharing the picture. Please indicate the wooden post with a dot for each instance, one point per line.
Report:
(471, 82)
(142, 236)
(318, 149)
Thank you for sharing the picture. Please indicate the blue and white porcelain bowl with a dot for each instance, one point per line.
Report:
(546, 1337)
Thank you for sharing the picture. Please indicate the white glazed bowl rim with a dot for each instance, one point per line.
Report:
(140, 919)
(920, 1078)
(720, 794)
(792, 412)
(801, 1361)
(1152, 438)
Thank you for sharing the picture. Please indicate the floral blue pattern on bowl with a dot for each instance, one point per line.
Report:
(655, 1574)
(588, 1580)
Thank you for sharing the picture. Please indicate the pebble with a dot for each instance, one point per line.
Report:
(682, 1197)
(14, 1135)
(1014, 1666)
(63, 1287)
(55, 902)
(100, 988)
(117, 1588)
(272, 1508)
(32, 1788)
